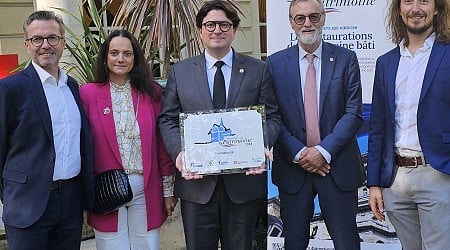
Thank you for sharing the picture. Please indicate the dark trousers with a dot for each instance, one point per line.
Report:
(59, 228)
(338, 209)
(219, 219)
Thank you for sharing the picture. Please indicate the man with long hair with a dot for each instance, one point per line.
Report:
(409, 136)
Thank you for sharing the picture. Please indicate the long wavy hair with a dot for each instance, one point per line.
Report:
(397, 28)
(141, 77)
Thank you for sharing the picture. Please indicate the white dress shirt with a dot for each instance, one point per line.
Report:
(66, 123)
(408, 86)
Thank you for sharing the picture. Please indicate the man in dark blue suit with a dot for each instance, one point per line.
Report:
(45, 150)
(317, 152)
(409, 136)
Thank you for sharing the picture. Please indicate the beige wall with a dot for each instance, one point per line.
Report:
(247, 37)
(12, 15)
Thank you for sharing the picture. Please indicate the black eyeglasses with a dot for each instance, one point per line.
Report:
(300, 19)
(223, 25)
(39, 40)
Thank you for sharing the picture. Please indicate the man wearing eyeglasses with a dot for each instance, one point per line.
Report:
(220, 207)
(318, 89)
(45, 151)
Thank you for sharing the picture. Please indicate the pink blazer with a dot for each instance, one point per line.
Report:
(96, 99)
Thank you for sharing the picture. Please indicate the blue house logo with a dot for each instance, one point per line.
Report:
(218, 132)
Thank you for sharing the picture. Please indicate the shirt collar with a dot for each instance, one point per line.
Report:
(44, 76)
(227, 59)
(428, 44)
(302, 53)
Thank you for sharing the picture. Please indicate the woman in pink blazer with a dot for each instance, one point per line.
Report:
(122, 105)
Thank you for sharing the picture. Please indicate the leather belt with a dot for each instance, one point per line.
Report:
(58, 184)
(409, 162)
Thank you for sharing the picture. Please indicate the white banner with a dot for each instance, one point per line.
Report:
(277, 243)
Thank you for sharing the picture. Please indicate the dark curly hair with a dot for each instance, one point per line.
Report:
(229, 10)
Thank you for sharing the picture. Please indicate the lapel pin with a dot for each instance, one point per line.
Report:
(331, 59)
(106, 111)
(241, 71)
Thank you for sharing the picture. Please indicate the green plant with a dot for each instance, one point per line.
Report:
(166, 27)
(84, 49)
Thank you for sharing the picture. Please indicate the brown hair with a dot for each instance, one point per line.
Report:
(397, 28)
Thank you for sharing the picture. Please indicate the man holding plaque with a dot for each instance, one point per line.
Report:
(318, 89)
(217, 207)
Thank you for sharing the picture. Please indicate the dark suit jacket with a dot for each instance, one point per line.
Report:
(340, 107)
(187, 90)
(27, 154)
(433, 121)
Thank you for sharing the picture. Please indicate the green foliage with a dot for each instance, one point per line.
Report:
(85, 49)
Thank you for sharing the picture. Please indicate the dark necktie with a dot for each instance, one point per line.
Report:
(311, 114)
(219, 96)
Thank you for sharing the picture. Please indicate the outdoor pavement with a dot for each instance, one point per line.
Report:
(88, 245)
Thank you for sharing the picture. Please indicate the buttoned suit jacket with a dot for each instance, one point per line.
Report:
(96, 99)
(27, 152)
(433, 121)
(340, 116)
(187, 90)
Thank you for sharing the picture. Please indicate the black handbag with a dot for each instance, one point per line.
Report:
(112, 190)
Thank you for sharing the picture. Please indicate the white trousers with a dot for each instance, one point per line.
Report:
(132, 229)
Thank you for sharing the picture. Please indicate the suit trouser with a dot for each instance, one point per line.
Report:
(338, 209)
(58, 228)
(418, 205)
(220, 218)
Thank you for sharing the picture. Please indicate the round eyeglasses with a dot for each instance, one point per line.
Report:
(224, 26)
(300, 19)
(39, 40)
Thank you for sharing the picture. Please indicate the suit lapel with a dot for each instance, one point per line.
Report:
(37, 91)
(327, 69)
(437, 53)
(105, 112)
(201, 81)
(237, 76)
(391, 69)
(292, 65)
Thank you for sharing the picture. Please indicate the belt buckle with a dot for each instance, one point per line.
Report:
(415, 162)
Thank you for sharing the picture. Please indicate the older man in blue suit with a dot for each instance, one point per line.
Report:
(409, 135)
(317, 152)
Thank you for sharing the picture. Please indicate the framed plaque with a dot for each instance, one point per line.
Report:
(223, 141)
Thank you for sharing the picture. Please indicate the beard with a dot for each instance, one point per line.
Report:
(310, 39)
(419, 30)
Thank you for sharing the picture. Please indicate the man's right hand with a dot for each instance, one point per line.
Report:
(179, 163)
(312, 161)
(376, 203)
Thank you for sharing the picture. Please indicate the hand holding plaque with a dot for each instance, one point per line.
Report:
(223, 141)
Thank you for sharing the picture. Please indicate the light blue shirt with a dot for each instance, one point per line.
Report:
(66, 123)
(226, 70)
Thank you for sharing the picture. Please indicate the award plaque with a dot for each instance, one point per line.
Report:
(223, 141)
